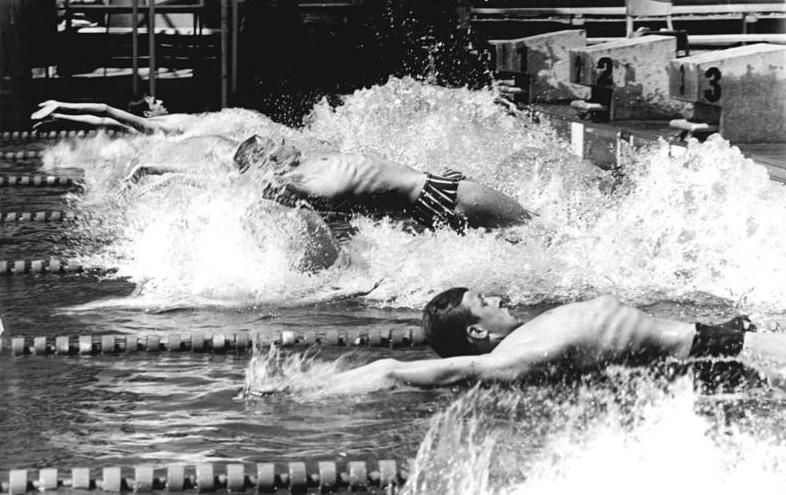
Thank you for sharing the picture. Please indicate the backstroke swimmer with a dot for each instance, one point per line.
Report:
(479, 340)
(328, 182)
(154, 119)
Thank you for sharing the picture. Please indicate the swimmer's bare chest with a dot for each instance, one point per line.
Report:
(580, 341)
(357, 175)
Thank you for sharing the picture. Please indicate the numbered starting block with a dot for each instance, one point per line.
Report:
(537, 68)
(739, 92)
(628, 79)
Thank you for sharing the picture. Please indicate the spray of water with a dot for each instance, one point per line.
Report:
(302, 376)
(607, 437)
(707, 224)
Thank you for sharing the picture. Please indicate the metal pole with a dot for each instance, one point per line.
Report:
(224, 50)
(15, 75)
(135, 48)
(235, 29)
(151, 36)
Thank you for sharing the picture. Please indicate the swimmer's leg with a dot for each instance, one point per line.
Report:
(766, 352)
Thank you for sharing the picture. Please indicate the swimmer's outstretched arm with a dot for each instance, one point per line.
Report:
(424, 373)
(102, 115)
(427, 373)
(95, 114)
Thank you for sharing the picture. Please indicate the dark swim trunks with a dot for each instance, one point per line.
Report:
(436, 204)
(721, 340)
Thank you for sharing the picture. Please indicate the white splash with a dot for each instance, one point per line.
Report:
(709, 223)
(630, 434)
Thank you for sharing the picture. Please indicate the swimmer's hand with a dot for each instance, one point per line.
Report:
(267, 390)
(46, 109)
(367, 292)
(140, 171)
(508, 88)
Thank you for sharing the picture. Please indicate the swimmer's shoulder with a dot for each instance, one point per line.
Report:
(175, 122)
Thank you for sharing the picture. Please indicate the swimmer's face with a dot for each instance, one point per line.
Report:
(156, 107)
(494, 321)
(266, 154)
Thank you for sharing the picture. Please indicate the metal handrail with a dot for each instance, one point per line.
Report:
(133, 9)
(620, 11)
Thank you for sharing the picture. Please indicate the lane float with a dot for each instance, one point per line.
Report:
(297, 477)
(241, 342)
(53, 134)
(21, 155)
(38, 216)
(52, 265)
(35, 180)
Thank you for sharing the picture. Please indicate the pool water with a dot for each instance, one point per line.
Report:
(697, 237)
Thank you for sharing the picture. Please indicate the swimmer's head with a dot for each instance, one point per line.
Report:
(148, 106)
(266, 154)
(461, 322)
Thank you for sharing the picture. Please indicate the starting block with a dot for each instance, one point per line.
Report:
(537, 68)
(739, 92)
(628, 78)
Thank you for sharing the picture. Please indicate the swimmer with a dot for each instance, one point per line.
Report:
(348, 182)
(479, 340)
(330, 182)
(154, 118)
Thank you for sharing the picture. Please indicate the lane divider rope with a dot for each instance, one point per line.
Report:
(269, 477)
(241, 342)
(21, 155)
(38, 216)
(35, 180)
(53, 134)
(51, 265)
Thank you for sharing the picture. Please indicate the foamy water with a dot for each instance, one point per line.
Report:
(707, 226)
(707, 223)
(621, 430)
(631, 433)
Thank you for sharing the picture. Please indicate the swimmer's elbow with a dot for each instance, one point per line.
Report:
(434, 372)
(496, 370)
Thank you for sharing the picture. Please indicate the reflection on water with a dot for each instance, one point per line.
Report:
(702, 236)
